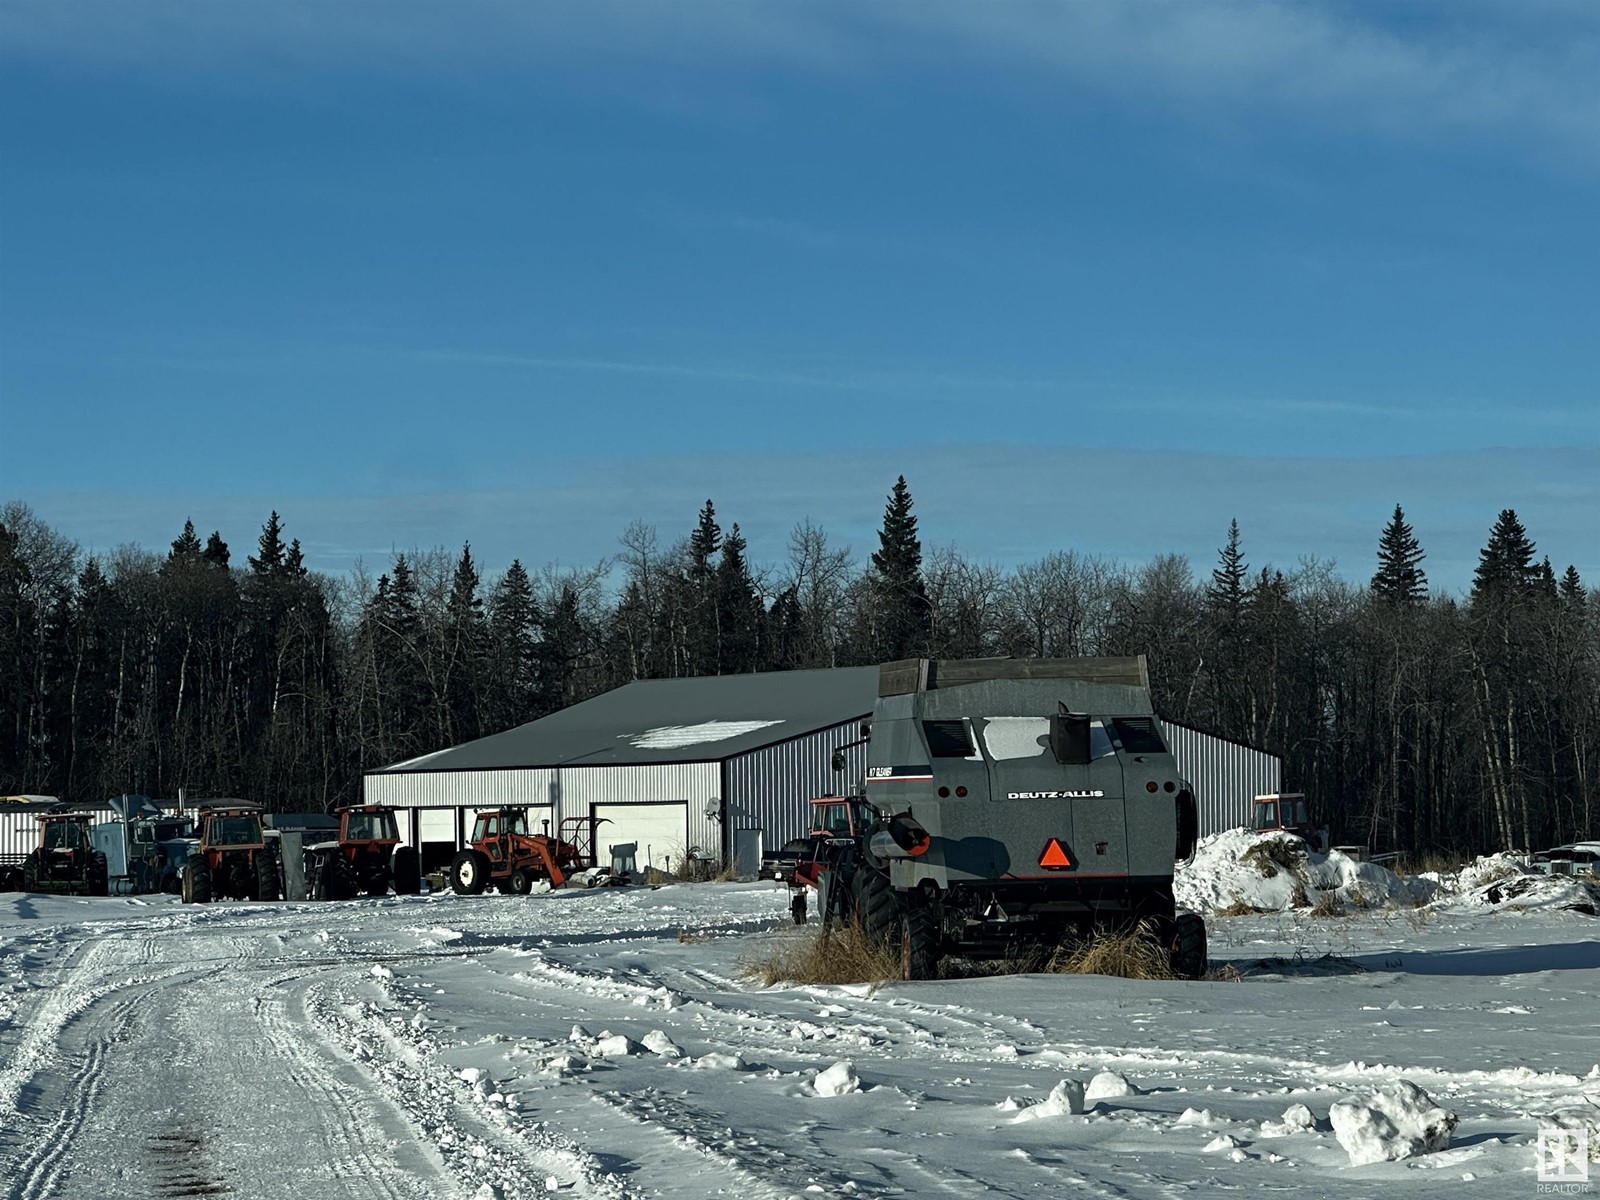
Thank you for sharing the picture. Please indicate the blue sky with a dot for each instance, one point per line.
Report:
(1091, 275)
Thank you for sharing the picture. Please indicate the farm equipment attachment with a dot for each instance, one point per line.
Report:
(503, 854)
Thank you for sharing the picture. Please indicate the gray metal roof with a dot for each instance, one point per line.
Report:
(711, 718)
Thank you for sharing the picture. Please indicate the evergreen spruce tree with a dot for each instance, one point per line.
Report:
(268, 559)
(1572, 594)
(1505, 565)
(739, 609)
(216, 551)
(1228, 591)
(186, 546)
(1544, 581)
(513, 619)
(1400, 580)
(703, 628)
(294, 563)
(899, 591)
(704, 543)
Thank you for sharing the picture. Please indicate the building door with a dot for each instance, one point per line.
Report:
(747, 852)
(661, 832)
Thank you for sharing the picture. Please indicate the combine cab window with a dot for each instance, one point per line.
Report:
(1138, 735)
(948, 739)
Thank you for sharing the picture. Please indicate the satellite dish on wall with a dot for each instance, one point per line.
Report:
(714, 809)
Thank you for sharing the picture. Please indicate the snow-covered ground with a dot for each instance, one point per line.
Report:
(605, 1043)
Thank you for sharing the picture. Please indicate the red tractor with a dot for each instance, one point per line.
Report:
(823, 857)
(503, 854)
(367, 858)
(64, 860)
(1288, 812)
(232, 858)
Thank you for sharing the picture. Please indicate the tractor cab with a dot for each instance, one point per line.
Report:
(65, 859)
(840, 816)
(1287, 812)
(368, 824)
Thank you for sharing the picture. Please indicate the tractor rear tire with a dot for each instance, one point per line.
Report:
(266, 866)
(99, 876)
(407, 871)
(876, 911)
(30, 872)
(919, 939)
(469, 873)
(522, 881)
(197, 883)
(1189, 946)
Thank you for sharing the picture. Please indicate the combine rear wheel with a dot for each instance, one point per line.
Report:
(469, 872)
(407, 871)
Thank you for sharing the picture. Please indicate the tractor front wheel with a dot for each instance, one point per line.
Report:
(797, 908)
(407, 871)
(469, 873)
(522, 882)
(876, 912)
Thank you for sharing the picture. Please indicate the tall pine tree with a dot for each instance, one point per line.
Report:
(1506, 568)
(1399, 580)
(900, 594)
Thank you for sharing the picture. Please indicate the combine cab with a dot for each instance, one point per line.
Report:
(231, 858)
(504, 855)
(367, 858)
(65, 859)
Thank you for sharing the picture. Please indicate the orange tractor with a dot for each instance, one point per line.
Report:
(504, 855)
(366, 859)
(231, 857)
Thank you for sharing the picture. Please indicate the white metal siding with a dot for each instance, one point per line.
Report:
(771, 789)
(19, 831)
(560, 791)
(1226, 776)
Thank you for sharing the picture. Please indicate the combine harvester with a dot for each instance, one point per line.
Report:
(1009, 805)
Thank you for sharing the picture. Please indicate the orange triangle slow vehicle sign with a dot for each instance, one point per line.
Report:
(1055, 855)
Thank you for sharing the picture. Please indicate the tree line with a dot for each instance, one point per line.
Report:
(1413, 719)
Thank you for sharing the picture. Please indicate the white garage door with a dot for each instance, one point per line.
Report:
(661, 830)
(436, 825)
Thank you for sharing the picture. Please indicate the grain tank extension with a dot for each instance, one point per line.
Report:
(1019, 802)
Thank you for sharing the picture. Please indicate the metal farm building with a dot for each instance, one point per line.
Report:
(723, 765)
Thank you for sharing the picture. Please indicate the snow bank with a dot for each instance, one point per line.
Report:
(1498, 882)
(1275, 871)
(1109, 1085)
(1399, 1120)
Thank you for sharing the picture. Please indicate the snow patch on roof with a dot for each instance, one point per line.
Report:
(675, 737)
(416, 762)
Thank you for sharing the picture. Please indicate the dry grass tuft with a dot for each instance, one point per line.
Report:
(693, 937)
(1239, 908)
(1328, 905)
(838, 955)
(1129, 954)
(1438, 862)
(1299, 897)
(1273, 854)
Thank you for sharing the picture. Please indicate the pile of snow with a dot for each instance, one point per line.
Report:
(1275, 871)
(1109, 1085)
(1399, 1120)
(838, 1080)
(1501, 882)
(1297, 1118)
(1065, 1099)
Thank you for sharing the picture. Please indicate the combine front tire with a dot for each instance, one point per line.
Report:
(407, 871)
(1189, 946)
(469, 872)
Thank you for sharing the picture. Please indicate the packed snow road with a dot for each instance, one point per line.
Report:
(606, 1044)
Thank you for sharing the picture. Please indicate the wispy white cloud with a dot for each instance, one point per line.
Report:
(1529, 70)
